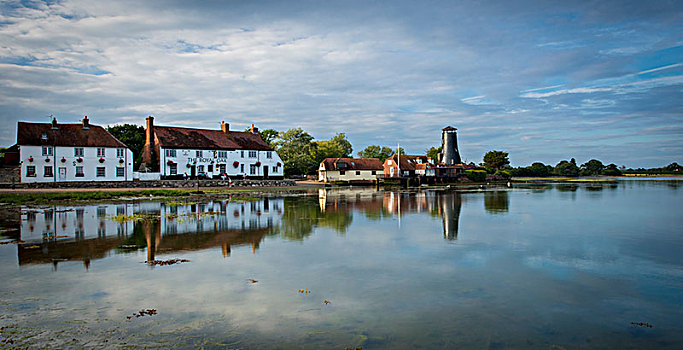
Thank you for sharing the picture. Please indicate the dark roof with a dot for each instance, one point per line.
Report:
(352, 164)
(175, 137)
(448, 128)
(408, 162)
(65, 135)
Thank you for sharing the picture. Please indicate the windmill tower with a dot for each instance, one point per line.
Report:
(449, 146)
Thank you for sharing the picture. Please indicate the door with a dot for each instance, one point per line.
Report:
(62, 173)
(193, 171)
(265, 171)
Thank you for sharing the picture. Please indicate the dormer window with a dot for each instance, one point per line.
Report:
(43, 136)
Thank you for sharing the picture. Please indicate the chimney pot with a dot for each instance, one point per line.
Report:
(225, 127)
(86, 122)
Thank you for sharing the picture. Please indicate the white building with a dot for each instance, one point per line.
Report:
(53, 152)
(180, 152)
(350, 169)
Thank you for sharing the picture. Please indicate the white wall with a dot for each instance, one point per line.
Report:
(90, 164)
(350, 175)
(210, 157)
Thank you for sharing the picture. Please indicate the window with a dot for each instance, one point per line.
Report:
(241, 154)
(269, 154)
(120, 171)
(78, 151)
(389, 162)
(170, 153)
(43, 136)
(47, 171)
(357, 173)
(173, 169)
(342, 172)
(252, 169)
(222, 154)
(119, 152)
(242, 168)
(209, 168)
(221, 168)
(31, 171)
(101, 171)
(252, 154)
(374, 172)
(199, 153)
(101, 151)
(47, 150)
(79, 171)
(200, 168)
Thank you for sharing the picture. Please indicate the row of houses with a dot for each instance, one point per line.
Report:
(55, 152)
(360, 170)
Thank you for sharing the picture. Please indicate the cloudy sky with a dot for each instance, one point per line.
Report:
(542, 80)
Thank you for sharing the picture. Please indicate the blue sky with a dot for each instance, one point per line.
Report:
(542, 80)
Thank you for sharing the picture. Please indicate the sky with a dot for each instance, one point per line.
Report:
(541, 80)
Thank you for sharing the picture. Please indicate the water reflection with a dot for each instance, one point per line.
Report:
(496, 202)
(62, 233)
(379, 205)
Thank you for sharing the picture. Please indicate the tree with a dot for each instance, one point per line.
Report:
(611, 170)
(540, 169)
(433, 152)
(673, 168)
(592, 167)
(133, 136)
(337, 147)
(294, 147)
(269, 136)
(376, 151)
(496, 159)
(565, 168)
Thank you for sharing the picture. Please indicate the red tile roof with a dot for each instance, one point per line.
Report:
(408, 162)
(352, 164)
(175, 137)
(69, 135)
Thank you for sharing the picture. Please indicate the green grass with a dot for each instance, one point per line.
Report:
(48, 197)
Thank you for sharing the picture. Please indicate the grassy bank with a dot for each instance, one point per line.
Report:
(48, 197)
(67, 195)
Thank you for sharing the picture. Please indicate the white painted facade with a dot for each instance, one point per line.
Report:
(63, 164)
(213, 163)
(346, 175)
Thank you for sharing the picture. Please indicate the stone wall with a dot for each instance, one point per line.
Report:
(156, 184)
(9, 174)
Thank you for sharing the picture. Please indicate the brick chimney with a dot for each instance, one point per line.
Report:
(225, 127)
(149, 153)
(54, 123)
(254, 130)
(86, 123)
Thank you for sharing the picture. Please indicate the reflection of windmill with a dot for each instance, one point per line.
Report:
(449, 205)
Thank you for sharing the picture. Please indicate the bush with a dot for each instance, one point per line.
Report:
(476, 175)
(502, 173)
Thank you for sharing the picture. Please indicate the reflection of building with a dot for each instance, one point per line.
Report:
(83, 233)
(349, 169)
(176, 152)
(449, 207)
(52, 152)
(375, 205)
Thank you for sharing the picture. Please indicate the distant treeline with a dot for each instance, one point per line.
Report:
(592, 167)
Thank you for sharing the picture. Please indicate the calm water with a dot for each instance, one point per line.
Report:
(544, 266)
